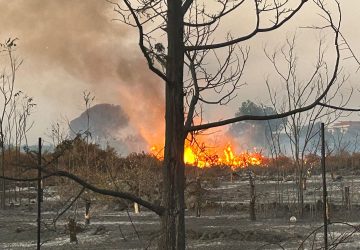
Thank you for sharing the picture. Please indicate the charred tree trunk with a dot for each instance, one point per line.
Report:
(172, 220)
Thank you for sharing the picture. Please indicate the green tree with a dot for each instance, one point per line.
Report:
(255, 133)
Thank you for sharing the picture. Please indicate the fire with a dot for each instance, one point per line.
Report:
(243, 159)
(202, 156)
(189, 156)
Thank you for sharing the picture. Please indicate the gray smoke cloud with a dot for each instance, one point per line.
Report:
(78, 38)
(109, 125)
(73, 45)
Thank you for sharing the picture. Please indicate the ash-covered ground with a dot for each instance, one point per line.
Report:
(224, 222)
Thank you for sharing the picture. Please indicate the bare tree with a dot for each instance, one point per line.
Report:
(7, 89)
(188, 27)
(58, 132)
(88, 99)
(301, 128)
(23, 107)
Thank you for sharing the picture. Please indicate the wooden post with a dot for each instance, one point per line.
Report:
(198, 197)
(347, 197)
(252, 196)
(325, 205)
(304, 183)
(72, 230)
(136, 208)
(39, 197)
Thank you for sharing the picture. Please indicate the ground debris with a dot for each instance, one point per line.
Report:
(19, 230)
(235, 234)
(100, 230)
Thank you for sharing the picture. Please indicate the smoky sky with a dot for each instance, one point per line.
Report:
(104, 120)
(69, 46)
(79, 38)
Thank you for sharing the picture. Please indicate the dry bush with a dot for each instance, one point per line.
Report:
(136, 173)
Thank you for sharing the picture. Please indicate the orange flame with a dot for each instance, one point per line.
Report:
(201, 156)
(189, 156)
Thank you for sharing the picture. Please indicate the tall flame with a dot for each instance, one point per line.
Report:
(189, 156)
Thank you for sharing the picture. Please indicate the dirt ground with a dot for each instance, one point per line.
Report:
(224, 223)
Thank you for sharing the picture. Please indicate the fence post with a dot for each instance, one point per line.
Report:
(325, 213)
(347, 197)
(39, 197)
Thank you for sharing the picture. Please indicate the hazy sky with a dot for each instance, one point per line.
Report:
(69, 46)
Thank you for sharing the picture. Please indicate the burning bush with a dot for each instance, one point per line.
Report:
(203, 156)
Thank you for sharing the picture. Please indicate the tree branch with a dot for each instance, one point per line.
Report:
(195, 97)
(217, 17)
(252, 34)
(186, 6)
(143, 48)
(315, 103)
(339, 108)
(123, 195)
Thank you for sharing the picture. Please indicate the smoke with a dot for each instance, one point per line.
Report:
(104, 120)
(75, 45)
(79, 38)
(109, 125)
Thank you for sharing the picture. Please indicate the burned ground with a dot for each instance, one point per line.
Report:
(224, 222)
